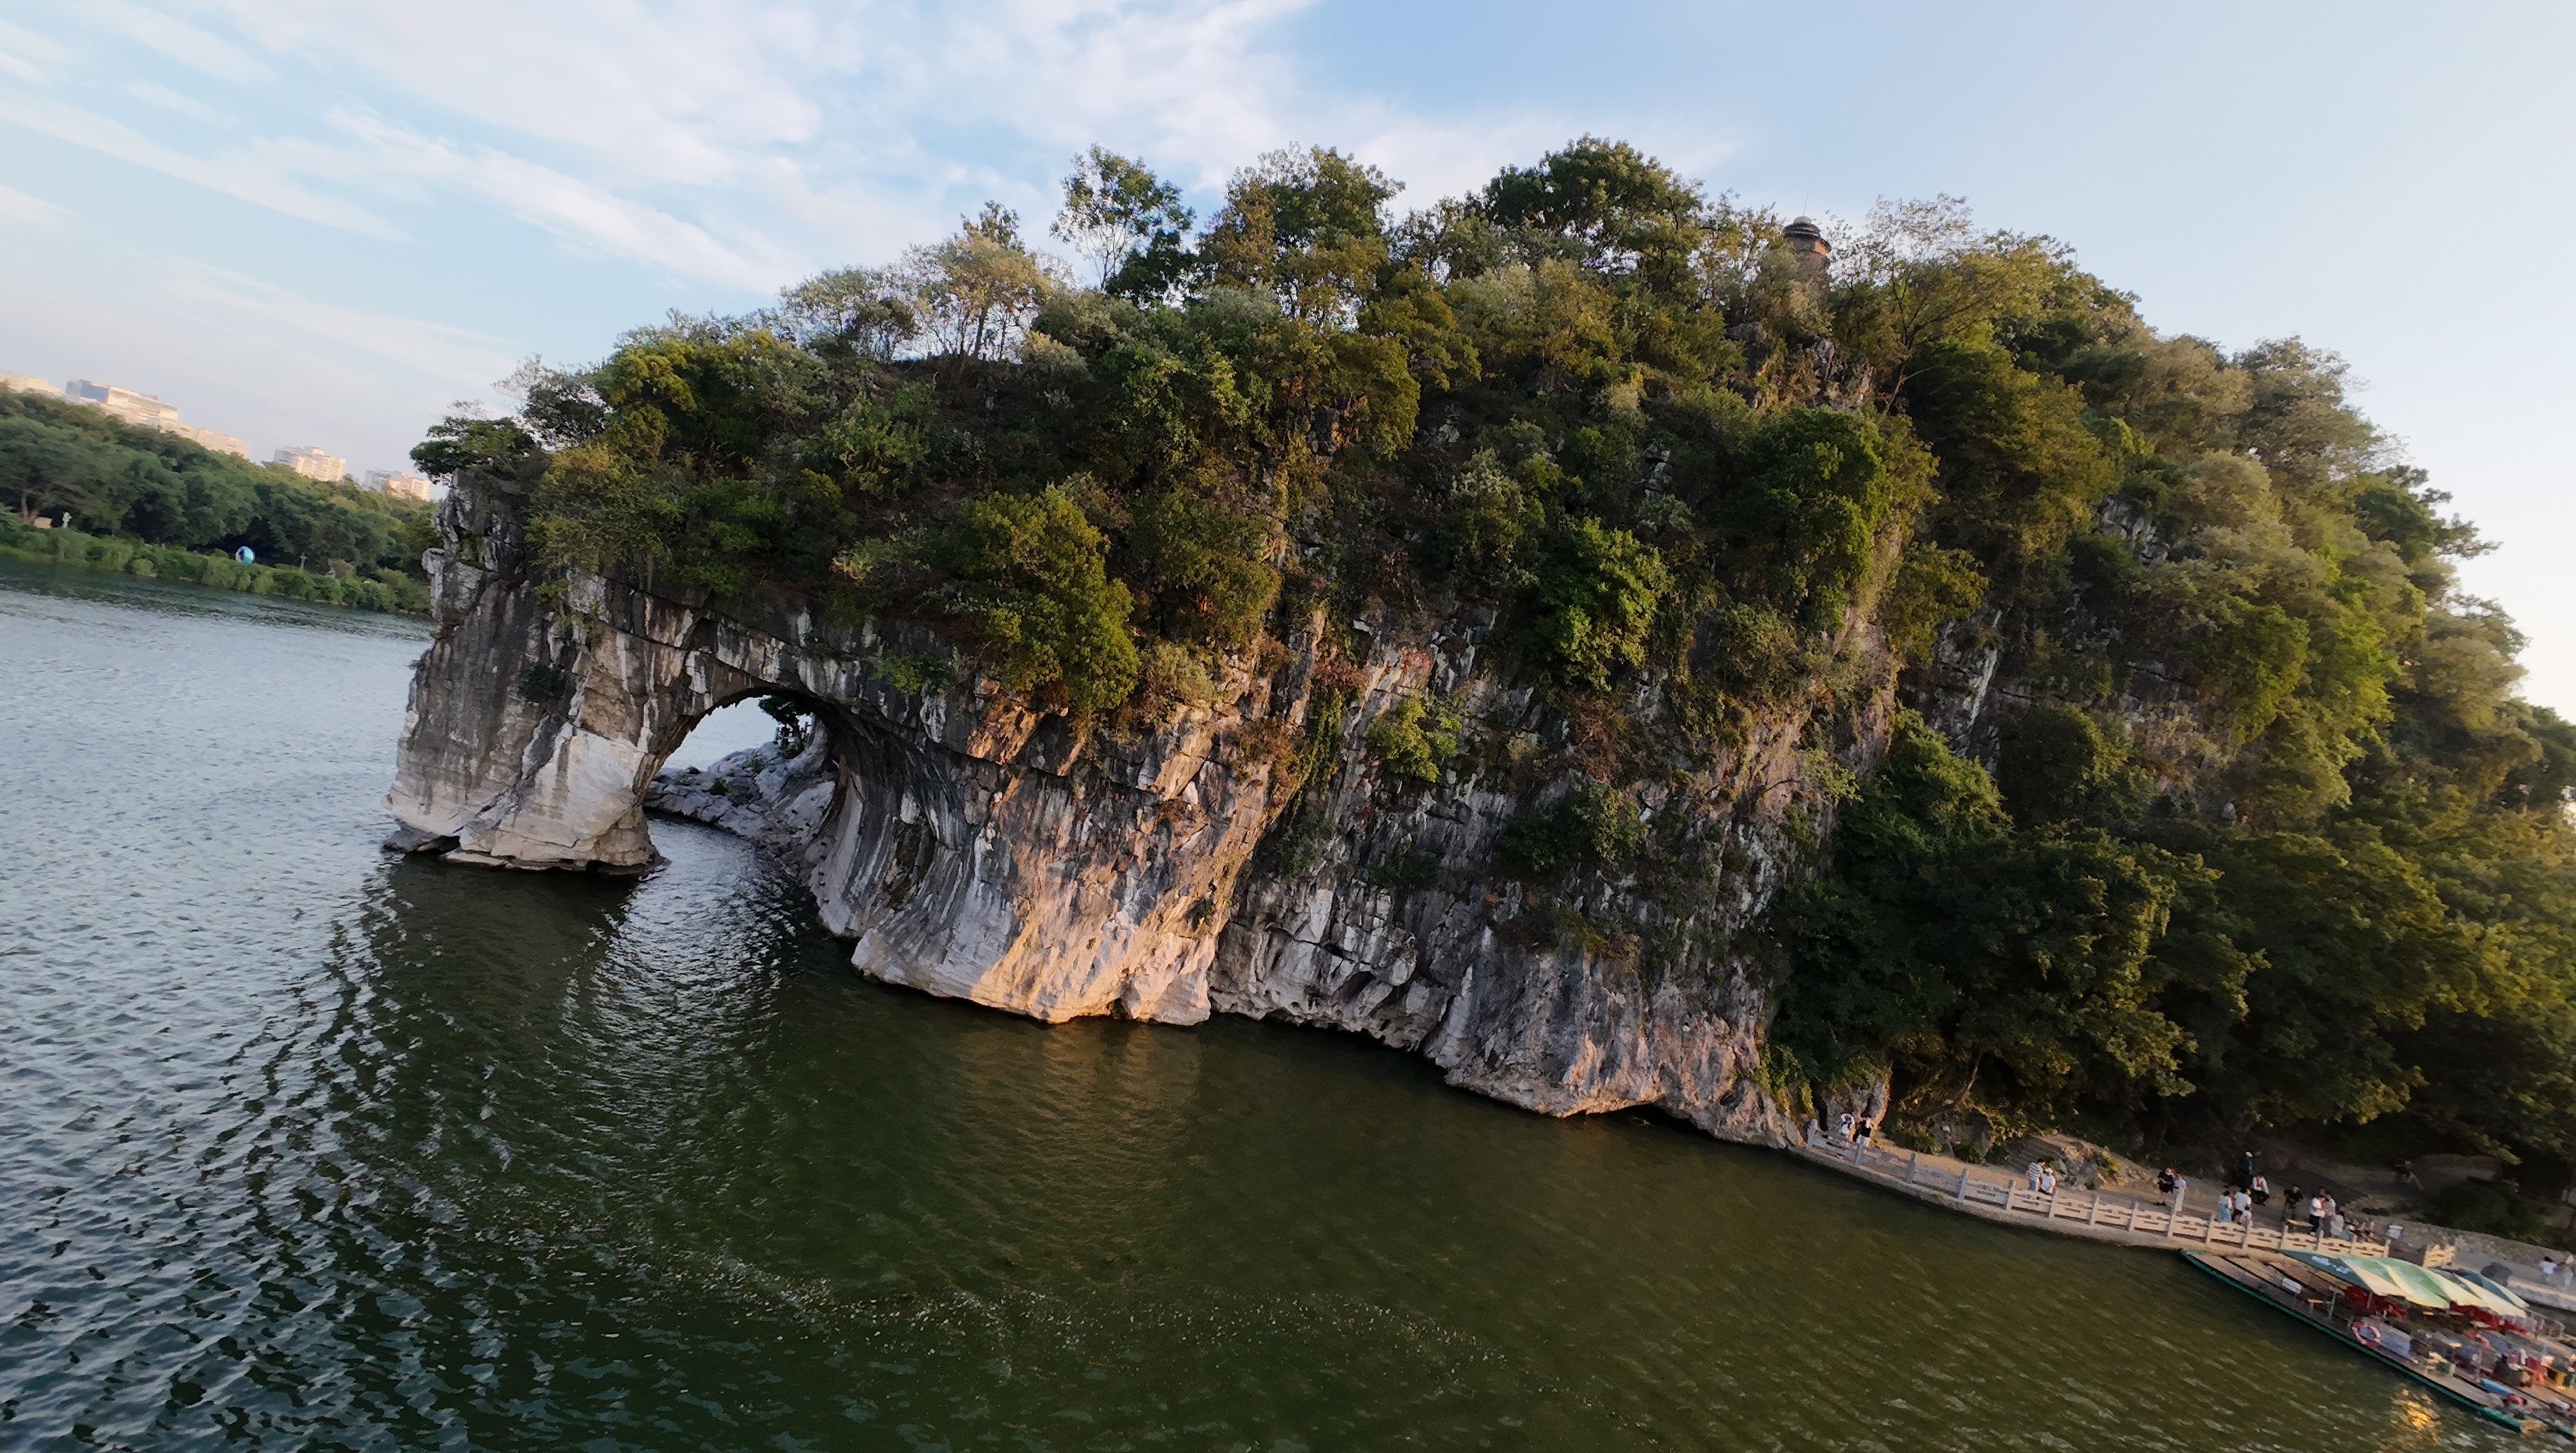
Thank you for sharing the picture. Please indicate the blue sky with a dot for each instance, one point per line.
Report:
(319, 221)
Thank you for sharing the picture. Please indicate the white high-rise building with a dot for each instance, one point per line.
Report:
(27, 383)
(214, 439)
(400, 483)
(309, 461)
(144, 410)
(134, 408)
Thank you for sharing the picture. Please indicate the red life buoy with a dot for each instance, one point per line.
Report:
(2366, 1333)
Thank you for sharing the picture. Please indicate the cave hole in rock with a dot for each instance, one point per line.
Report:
(760, 765)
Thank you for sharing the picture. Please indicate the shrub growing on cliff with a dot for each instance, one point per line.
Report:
(1201, 565)
(1809, 511)
(1595, 827)
(1034, 586)
(1594, 603)
(1412, 739)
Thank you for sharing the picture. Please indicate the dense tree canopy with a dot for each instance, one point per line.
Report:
(2229, 815)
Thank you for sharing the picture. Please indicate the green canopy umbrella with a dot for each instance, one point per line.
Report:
(2438, 1290)
(2384, 1275)
(2478, 1291)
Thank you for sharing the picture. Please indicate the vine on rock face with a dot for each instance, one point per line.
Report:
(2230, 817)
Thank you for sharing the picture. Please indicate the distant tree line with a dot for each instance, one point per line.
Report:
(116, 480)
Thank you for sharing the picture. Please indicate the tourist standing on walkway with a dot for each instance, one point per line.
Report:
(2034, 1175)
(2047, 1179)
(1843, 1127)
(2289, 1208)
(2245, 1169)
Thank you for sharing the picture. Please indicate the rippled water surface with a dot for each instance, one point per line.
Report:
(304, 1146)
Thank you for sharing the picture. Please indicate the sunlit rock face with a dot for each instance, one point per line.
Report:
(972, 846)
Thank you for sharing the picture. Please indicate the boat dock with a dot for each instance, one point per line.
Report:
(2326, 1297)
(2094, 1215)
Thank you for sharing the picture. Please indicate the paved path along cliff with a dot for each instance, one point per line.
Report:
(970, 845)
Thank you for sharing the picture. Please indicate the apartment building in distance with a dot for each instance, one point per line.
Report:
(26, 383)
(309, 460)
(400, 483)
(144, 410)
(124, 403)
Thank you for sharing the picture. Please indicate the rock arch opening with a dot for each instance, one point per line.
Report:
(763, 766)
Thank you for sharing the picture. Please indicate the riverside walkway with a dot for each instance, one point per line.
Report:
(2126, 1220)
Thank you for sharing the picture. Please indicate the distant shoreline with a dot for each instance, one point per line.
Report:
(111, 555)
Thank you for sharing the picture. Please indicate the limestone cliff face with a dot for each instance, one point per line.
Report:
(970, 846)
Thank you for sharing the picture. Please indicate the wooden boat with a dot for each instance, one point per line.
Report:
(2415, 1340)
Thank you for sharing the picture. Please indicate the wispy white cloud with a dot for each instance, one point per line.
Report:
(18, 207)
(457, 357)
(818, 133)
(187, 44)
(734, 142)
(673, 93)
(25, 54)
(262, 175)
(580, 212)
(156, 94)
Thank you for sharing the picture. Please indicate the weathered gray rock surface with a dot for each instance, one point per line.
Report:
(971, 846)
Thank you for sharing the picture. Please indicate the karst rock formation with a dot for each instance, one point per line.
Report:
(972, 845)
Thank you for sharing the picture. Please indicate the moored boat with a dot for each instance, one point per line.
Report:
(2468, 1341)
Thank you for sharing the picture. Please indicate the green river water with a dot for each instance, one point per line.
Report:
(303, 1146)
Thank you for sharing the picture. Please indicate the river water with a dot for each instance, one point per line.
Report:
(305, 1146)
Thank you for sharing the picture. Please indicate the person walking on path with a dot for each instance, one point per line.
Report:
(2034, 1175)
(2245, 1169)
(2289, 1208)
(2047, 1179)
(1843, 1127)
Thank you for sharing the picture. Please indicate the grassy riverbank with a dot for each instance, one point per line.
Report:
(380, 590)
